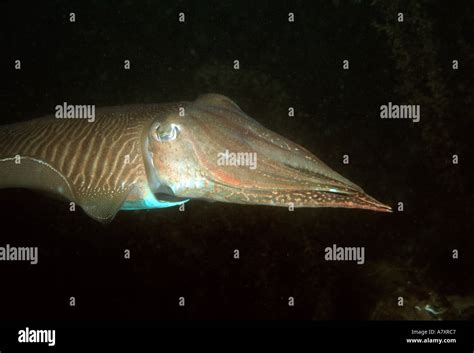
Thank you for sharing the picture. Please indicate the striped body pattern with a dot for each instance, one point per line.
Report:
(97, 162)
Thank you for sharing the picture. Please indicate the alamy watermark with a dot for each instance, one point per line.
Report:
(37, 336)
(75, 111)
(348, 253)
(15, 253)
(397, 111)
(237, 159)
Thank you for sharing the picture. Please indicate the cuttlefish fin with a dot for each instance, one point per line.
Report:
(103, 208)
(37, 174)
(33, 173)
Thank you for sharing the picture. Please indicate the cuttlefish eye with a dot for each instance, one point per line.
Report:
(165, 132)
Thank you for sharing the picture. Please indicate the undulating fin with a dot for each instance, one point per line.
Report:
(26, 172)
(104, 208)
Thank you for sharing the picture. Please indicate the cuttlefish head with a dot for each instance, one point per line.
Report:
(210, 149)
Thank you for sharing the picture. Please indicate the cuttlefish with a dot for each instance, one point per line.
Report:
(137, 157)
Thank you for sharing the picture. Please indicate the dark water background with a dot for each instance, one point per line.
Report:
(283, 64)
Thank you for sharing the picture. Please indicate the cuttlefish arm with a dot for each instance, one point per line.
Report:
(151, 156)
(284, 173)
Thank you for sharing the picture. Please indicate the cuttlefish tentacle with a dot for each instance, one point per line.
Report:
(151, 156)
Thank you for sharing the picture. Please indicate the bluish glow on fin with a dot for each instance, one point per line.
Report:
(149, 202)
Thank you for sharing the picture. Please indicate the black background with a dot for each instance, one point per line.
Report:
(283, 64)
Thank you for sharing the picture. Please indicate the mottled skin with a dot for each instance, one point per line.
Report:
(160, 155)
